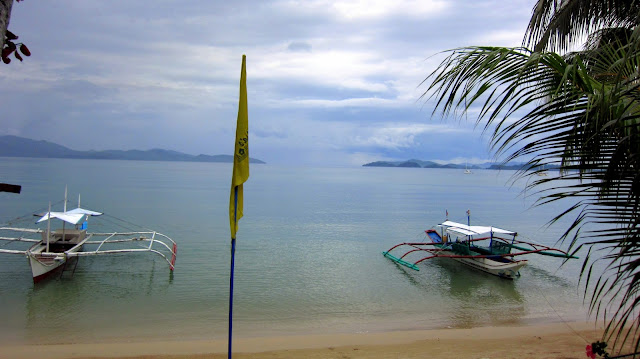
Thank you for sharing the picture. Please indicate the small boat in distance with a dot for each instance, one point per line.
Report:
(485, 248)
(55, 249)
(467, 171)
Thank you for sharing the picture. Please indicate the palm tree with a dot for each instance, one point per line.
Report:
(579, 111)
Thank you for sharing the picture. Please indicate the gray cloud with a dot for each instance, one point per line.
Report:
(299, 46)
(336, 80)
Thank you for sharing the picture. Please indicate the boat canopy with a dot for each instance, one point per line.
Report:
(84, 211)
(73, 216)
(474, 230)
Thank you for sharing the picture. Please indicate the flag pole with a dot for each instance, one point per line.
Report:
(233, 256)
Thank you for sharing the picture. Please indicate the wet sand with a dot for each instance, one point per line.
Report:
(558, 340)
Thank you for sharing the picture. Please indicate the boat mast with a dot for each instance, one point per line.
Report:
(64, 210)
(491, 237)
(79, 207)
(48, 226)
(469, 225)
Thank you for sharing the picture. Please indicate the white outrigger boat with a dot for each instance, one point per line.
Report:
(56, 248)
(462, 243)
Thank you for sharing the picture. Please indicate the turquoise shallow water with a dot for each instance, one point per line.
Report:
(308, 256)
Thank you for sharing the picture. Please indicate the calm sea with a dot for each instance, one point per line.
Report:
(308, 253)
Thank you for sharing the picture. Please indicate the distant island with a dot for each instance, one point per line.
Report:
(430, 164)
(14, 146)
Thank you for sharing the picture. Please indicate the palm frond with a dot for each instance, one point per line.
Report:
(555, 25)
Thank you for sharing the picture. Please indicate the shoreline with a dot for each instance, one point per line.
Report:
(557, 340)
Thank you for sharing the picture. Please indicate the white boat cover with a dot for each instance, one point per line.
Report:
(84, 211)
(474, 230)
(73, 216)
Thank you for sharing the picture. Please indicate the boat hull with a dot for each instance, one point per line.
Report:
(504, 269)
(43, 267)
(44, 264)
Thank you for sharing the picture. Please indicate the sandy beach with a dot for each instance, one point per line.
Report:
(558, 340)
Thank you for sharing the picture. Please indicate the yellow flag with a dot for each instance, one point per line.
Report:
(240, 154)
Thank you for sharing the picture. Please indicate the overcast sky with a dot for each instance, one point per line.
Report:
(330, 83)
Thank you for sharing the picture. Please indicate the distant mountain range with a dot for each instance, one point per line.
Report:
(430, 164)
(13, 146)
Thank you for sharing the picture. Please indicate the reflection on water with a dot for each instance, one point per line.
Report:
(500, 299)
(468, 298)
(543, 274)
(95, 302)
(47, 310)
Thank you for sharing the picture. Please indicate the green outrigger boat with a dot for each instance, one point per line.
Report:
(485, 248)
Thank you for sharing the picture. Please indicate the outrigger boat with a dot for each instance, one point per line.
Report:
(462, 243)
(55, 249)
